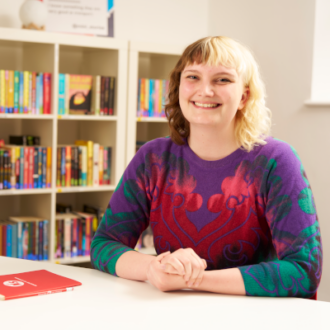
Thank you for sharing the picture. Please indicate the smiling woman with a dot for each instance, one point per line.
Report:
(230, 207)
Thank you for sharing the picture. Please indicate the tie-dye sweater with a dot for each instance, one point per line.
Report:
(253, 211)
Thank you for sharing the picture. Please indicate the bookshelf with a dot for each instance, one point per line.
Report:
(153, 61)
(61, 53)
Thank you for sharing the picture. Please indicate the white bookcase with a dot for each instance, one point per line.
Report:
(153, 61)
(60, 53)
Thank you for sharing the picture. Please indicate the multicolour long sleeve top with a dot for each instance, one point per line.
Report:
(250, 210)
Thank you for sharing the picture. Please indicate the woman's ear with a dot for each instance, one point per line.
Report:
(244, 99)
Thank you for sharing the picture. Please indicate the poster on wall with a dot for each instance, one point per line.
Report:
(88, 17)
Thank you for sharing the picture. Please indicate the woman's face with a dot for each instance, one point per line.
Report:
(211, 95)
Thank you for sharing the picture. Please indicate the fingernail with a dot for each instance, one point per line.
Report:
(189, 284)
(196, 284)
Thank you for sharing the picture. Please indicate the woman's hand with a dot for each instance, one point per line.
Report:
(187, 263)
(161, 280)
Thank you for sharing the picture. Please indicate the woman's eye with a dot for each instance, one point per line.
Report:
(192, 77)
(224, 80)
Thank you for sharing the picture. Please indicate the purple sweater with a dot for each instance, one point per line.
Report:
(252, 211)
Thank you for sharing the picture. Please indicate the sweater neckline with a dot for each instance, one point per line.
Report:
(211, 163)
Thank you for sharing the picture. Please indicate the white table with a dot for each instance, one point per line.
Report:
(107, 302)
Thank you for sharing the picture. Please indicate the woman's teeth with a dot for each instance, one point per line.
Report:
(206, 105)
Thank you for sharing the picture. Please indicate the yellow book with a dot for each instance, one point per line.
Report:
(160, 98)
(90, 146)
(2, 91)
(13, 167)
(49, 168)
(146, 94)
(26, 90)
(11, 91)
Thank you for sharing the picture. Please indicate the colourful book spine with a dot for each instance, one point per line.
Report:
(31, 163)
(160, 98)
(147, 90)
(2, 91)
(138, 99)
(21, 172)
(112, 96)
(40, 239)
(20, 240)
(142, 96)
(26, 92)
(74, 241)
(47, 92)
(96, 91)
(9, 241)
(16, 91)
(44, 167)
(39, 167)
(84, 166)
(67, 238)
(151, 97)
(17, 166)
(6, 91)
(58, 167)
(21, 92)
(1, 169)
(96, 150)
(156, 99)
(61, 94)
(100, 177)
(34, 92)
(13, 167)
(14, 240)
(102, 96)
(68, 166)
(49, 168)
(10, 91)
(105, 165)
(63, 166)
(162, 114)
(25, 240)
(45, 240)
(35, 168)
(106, 95)
(30, 93)
(88, 235)
(79, 166)
(5, 166)
(67, 94)
(41, 93)
(109, 164)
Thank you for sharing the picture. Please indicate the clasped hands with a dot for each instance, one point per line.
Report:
(175, 271)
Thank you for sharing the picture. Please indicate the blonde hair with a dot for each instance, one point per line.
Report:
(253, 122)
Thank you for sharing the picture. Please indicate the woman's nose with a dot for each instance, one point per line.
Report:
(207, 89)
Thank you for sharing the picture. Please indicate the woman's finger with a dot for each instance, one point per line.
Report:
(175, 263)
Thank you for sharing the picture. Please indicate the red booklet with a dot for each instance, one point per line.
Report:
(35, 283)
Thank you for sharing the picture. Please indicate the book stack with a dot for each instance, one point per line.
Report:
(86, 95)
(25, 92)
(152, 96)
(24, 238)
(83, 164)
(74, 233)
(24, 165)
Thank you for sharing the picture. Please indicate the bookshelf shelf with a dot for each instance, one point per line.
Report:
(75, 260)
(73, 54)
(12, 192)
(151, 120)
(88, 118)
(85, 189)
(18, 116)
(153, 61)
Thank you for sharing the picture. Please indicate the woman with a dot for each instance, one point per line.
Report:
(230, 207)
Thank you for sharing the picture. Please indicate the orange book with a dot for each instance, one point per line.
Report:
(34, 283)
(49, 167)
(90, 146)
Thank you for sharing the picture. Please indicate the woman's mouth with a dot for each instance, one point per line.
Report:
(206, 105)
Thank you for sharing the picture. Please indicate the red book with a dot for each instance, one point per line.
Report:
(47, 92)
(35, 283)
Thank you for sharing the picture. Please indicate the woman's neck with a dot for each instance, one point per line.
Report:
(212, 143)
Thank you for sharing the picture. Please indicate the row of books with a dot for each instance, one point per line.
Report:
(152, 96)
(83, 164)
(25, 167)
(74, 230)
(87, 95)
(24, 238)
(25, 92)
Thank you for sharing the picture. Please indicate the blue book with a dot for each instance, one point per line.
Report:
(37, 93)
(5, 162)
(41, 94)
(39, 167)
(14, 240)
(61, 94)
(9, 241)
(20, 240)
(151, 96)
(21, 169)
(45, 240)
(40, 239)
(35, 168)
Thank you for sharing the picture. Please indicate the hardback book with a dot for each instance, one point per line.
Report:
(34, 283)
(80, 94)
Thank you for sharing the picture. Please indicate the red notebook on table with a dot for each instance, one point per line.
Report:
(35, 283)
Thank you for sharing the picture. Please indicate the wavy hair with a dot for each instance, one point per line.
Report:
(253, 122)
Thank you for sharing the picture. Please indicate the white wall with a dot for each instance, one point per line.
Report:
(280, 34)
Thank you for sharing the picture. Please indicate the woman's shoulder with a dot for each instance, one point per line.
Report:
(157, 145)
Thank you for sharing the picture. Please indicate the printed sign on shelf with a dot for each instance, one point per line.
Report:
(78, 16)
